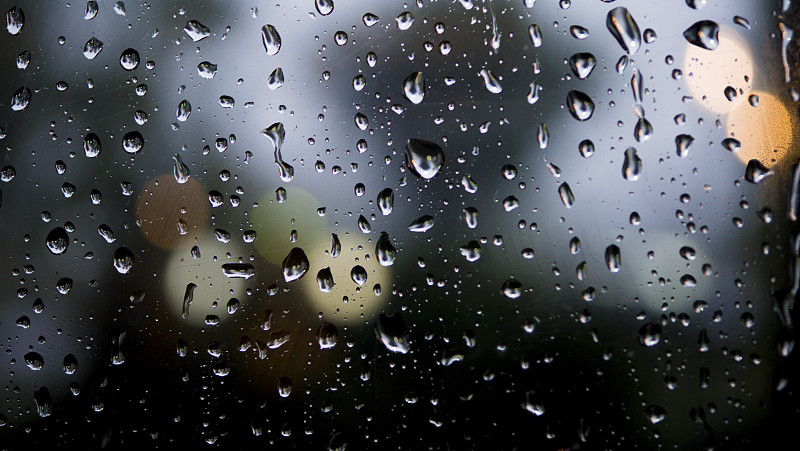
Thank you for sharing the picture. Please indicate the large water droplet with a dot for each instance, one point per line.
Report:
(421, 224)
(632, 165)
(567, 198)
(624, 29)
(325, 280)
(580, 105)
(276, 134)
(15, 20)
(384, 250)
(196, 30)
(649, 334)
(414, 88)
(613, 258)
(586, 148)
(404, 20)
(327, 335)
(424, 158)
(582, 64)
(238, 270)
(183, 111)
(132, 142)
(542, 136)
(123, 260)
(369, 19)
(275, 79)
(207, 69)
(129, 59)
(756, 171)
(91, 10)
(21, 98)
(92, 145)
(57, 241)
(295, 265)
(491, 82)
(511, 288)
(271, 39)
(683, 143)
(536, 35)
(179, 170)
(92, 48)
(386, 201)
(34, 361)
(391, 331)
(704, 34)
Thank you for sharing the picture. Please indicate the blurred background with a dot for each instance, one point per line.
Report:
(581, 215)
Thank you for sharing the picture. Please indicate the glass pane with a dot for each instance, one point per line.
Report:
(421, 225)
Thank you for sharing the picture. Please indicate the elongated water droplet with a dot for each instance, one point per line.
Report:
(325, 280)
(613, 258)
(632, 165)
(196, 30)
(271, 39)
(683, 143)
(386, 201)
(15, 20)
(188, 296)
(238, 270)
(92, 48)
(624, 29)
(275, 79)
(336, 245)
(703, 34)
(755, 171)
(183, 111)
(424, 158)
(536, 35)
(567, 198)
(542, 136)
(471, 217)
(21, 98)
(637, 86)
(179, 170)
(414, 88)
(580, 105)
(533, 95)
(582, 64)
(421, 224)
(44, 402)
(295, 265)
(92, 145)
(391, 331)
(384, 250)
(491, 82)
(361, 121)
(324, 7)
(622, 63)
(276, 134)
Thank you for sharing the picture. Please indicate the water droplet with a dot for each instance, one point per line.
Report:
(15, 20)
(613, 258)
(649, 334)
(542, 136)
(391, 331)
(275, 79)
(384, 250)
(624, 29)
(703, 34)
(183, 111)
(196, 30)
(21, 98)
(276, 134)
(238, 270)
(533, 95)
(536, 35)
(359, 82)
(340, 38)
(471, 217)
(132, 142)
(586, 148)
(44, 403)
(756, 171)
(70, 364)
(582, 64)
(91, 145)
(57, 241)
(91, 10)
(179, 170)
(512, 288)
(207, 69)
(731, 144)
(622, 63)
(123, 260)
(271, 39)
(567, 197)
(656, 414)
(471, 251)
(578, 32)
(683, 143)
(105, 231)
(34, 361)
(386, 201)
(730, 93)
(295, 265)
(324, 7)
(369, 19)
(491, 82)
(359, 275)
(580, 105)
(424, 158)
(632, 165)
(119, 8)
(421, 224)
(361, 121)
(413, 88)
(129, 59)
(404, 20)
(92, 48)
(327, 335)
(325, 280)
(697, 4)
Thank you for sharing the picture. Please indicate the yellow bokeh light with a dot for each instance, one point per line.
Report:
(766, 131)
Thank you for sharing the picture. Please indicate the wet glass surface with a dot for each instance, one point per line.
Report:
(432, 225)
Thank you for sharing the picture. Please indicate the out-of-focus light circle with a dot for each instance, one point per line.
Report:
(158, 210)
(766, 131)
(211, 283)
(706, 73)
